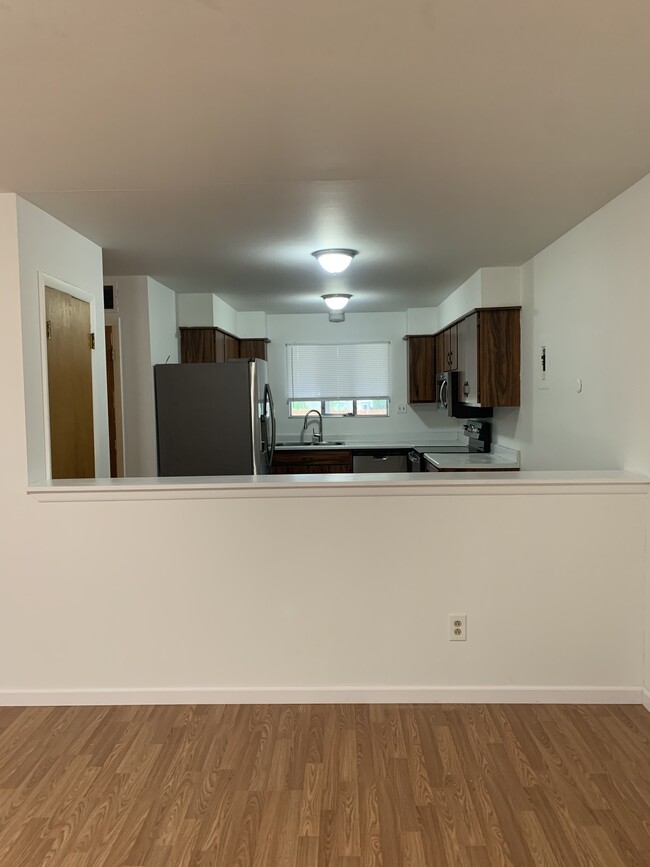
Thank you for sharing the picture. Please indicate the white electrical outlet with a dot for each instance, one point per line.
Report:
(401, 408)
(458, 627)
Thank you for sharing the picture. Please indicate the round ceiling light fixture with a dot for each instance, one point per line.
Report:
(336, 260)
(336, 301)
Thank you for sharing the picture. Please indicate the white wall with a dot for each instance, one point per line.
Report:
(461, 301)
(488, 287)
(225, 316)
(207, 309)
(422, 320)
(316, 328)
(183, 586)
(251, 324)
(147, 312)
(137, 376)
(163, 333)
(586, 297)
(47, 246)
(194, 309)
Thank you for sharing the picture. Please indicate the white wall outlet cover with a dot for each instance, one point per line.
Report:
(458, 627)
(401, 408)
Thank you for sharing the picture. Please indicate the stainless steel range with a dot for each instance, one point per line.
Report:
(479, 440)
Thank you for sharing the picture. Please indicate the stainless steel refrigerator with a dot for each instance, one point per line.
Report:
(214, 419)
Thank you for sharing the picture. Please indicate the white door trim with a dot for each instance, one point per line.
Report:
(112, 318)
(46, 280)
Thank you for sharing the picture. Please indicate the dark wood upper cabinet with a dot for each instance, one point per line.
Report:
(484, 347)
(231, 347)
(468, 359)
(421, 368)
(499, 356)
(446, 349)
(489, 357)
(441, 363)
(250, 348)
(219, 345)
(210, 345)
(198, 345)
(450, 341)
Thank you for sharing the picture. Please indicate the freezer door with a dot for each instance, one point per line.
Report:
(262, 431)
(269, 425)
(205, 419)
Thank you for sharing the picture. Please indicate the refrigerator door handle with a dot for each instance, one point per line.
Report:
(270, 445)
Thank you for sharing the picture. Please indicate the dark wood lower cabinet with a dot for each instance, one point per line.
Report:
(312, 459)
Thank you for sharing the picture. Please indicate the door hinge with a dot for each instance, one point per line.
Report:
(92, 339)
(48, 329)
(112, 353)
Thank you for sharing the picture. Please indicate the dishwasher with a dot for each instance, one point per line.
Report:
(379, 461)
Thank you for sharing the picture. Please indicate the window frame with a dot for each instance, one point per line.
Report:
(353, 414)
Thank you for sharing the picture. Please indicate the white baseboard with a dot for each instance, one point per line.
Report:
(645, 699)
(329, 695)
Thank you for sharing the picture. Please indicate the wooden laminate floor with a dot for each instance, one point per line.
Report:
(325, 786)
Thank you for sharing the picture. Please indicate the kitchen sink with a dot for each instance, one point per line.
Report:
(302, 445)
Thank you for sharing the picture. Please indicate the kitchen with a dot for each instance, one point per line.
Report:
(411, 417)
(518, 158)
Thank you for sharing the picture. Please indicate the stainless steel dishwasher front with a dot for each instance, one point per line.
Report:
(379, 462)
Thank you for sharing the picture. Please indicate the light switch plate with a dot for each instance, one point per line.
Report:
(542, 366)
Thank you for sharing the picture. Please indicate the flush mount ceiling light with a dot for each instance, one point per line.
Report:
(334, 261)
(337, 300)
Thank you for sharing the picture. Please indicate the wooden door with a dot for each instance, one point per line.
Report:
(70, 386)
(110, 389)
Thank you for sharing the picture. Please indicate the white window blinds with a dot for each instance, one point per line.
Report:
(337, 371)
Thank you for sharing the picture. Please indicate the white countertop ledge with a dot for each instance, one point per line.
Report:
(343, 485)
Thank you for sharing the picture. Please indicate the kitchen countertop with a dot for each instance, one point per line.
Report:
(343, 484)
(501, 459)
(347, 445)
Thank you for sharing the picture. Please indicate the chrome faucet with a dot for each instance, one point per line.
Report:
(315, 437)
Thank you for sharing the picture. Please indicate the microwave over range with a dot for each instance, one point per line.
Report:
(449, 397)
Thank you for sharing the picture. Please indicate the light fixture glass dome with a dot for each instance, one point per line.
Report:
(334, 261)
(336, 301)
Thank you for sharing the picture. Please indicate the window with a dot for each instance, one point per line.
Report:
(338, 379)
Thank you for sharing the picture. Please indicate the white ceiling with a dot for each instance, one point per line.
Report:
(213, 144)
